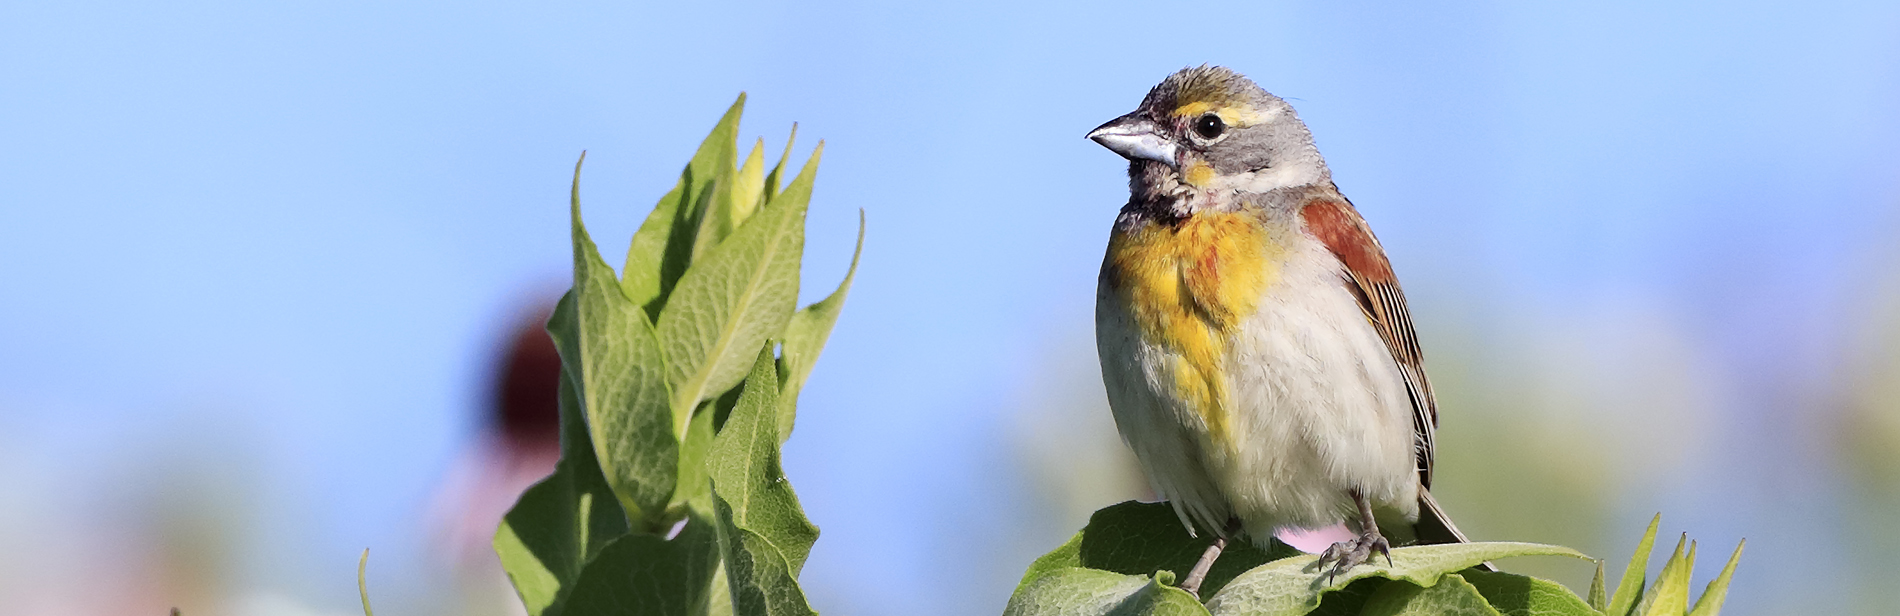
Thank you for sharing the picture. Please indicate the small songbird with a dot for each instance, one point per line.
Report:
(1254, 342)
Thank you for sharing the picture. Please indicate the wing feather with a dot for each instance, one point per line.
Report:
(1367, 273)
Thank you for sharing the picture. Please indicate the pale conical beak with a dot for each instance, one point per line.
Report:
(1134, 137)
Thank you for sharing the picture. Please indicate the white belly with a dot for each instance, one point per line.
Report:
(1317, 408)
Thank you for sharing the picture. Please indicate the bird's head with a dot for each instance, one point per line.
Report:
(1212, 129)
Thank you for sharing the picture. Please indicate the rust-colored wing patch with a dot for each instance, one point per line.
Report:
(1369, 276)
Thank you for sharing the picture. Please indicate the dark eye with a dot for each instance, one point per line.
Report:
(1209, 126)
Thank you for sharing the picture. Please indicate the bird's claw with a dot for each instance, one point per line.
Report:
(1345, 555)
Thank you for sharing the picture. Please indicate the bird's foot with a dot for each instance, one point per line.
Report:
(1345, 555)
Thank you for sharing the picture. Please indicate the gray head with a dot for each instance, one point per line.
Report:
(1212, 129)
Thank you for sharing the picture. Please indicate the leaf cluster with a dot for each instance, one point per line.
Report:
(1124, 562)
(679, 382)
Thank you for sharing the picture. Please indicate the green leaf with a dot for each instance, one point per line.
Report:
(362, 584)
(1598, 599)
(1670, 594)
(611, 353)
(537, 578)
(1141, 538)
(660, 420)
(741, 293)
(563, 521)
(1089, 592)
(719, 602)
(1351, 600)
(1125, 560)
(744, 464)
(695, 485)
(1117, 552)
(1712, 596)
(759, 579)
(749, 191)
(737, 198)
(1292, 586)
(649, 574)
(1451, 596)
(1068, 556)
(805, 338)
(663, 247)
(1629, 590)
(773, 179)
(763, 531)
(1519, 595)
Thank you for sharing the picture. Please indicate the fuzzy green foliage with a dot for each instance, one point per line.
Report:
(679, 382)
(1124, 563)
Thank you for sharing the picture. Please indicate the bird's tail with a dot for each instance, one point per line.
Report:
(1436, 527)
(1433, 525)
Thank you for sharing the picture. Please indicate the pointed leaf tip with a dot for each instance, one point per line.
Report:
(734, 197)
(1670, 594)
(1712, 595)
(805, 337)
(663, 247)
(749, 190)
(608, 345)
(766, 534)
(774, 179)
(1629, 590)
(1598, 598)
(362, 584)
(574, 193)
(811, 164)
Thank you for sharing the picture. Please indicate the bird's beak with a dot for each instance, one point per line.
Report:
(1135, 137)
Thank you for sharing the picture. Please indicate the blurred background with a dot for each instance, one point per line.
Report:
(265, 271)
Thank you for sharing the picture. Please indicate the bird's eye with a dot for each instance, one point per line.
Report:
(1209, 126)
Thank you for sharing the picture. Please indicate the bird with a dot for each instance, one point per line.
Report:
(1255, 346)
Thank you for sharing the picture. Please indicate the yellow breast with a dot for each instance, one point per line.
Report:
(1189, 285)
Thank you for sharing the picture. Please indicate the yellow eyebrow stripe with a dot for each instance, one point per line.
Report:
(1194, 109)
(1233, 115)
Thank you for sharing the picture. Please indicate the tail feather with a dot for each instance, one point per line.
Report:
(1436, 527)
(1433, 525)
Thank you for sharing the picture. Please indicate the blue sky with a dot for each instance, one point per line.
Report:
(286, 237)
